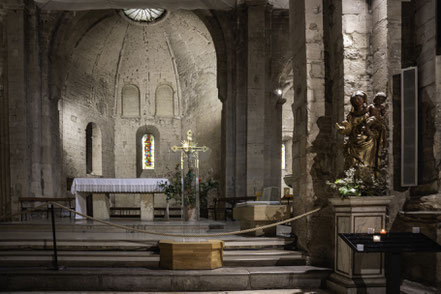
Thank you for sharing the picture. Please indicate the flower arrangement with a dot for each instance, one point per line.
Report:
(358, 182)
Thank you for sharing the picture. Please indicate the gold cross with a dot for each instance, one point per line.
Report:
(188, 146)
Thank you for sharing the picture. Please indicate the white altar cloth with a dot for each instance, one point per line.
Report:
(82, 186)
(103, 185)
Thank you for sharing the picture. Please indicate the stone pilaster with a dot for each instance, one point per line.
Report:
(18, 143)
(356, 30)
(256, 95)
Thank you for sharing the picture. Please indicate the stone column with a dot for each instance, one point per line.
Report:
(5, 200)
(256, 95)
(33, 93)
(311, 130)
(240, 105)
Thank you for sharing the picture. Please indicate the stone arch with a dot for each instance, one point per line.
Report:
(94, 153)
(130, 101)
(72, 29)
(164, 101)
(212, 22)
(148, 129)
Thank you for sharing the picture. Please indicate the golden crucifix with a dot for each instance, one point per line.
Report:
(190, 149)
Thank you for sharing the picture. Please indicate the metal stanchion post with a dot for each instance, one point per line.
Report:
(54, 239)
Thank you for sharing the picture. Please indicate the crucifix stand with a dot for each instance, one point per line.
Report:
(190, 150)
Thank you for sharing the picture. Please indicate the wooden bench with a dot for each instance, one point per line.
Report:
(232, 201)
(23, 200)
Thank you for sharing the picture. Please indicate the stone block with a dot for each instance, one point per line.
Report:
(260, 215)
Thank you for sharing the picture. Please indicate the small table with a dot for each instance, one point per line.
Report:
(393, 244)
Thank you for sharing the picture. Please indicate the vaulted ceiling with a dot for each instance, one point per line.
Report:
(167, 4)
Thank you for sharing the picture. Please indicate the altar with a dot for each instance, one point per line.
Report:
(101, 187)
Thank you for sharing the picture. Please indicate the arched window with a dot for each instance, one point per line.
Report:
(148, 151)
(283, 156)
(130, 101)
(164, 101)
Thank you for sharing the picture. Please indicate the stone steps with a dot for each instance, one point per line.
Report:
(144, 279)
(134, 244)
(141, 258)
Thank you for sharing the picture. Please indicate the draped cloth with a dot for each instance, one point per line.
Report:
(82, 186)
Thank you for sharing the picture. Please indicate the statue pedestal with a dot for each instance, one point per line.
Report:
(191, 255)
(252, 216)
(355, 272)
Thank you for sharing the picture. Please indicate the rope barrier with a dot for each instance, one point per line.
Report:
(190, 235)
(23, 212)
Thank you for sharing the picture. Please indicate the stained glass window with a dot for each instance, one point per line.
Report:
(148, 151)
(283, 157)
(144, 15)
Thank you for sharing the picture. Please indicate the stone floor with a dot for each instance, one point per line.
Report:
(270, 291)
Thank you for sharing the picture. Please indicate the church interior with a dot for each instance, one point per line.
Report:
(285, 144)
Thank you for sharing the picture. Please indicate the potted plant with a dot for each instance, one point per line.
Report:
(204, 189)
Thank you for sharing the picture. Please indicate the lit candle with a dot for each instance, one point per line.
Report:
(416, 230)
(383, 231)
(377, 238)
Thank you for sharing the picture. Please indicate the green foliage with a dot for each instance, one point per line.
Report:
(204, 189)
(173, 189)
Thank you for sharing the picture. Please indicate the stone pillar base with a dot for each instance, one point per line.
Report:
(101, 206)
(147, 208)
(342, 285)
